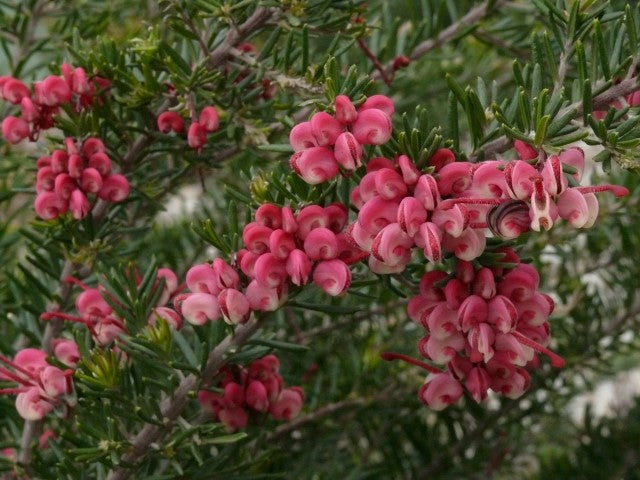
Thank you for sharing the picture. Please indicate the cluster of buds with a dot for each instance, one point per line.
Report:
(252, 392)
(280, 248)
(67, 177)
(105, 325)
(486, 324)
(511, 198)
(208, 122)
(400, 208)
(42, 388)
(39, 105)
(327, 142)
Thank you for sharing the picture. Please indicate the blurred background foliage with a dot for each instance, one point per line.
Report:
(362, 418)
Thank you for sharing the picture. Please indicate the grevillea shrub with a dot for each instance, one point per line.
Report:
(225, 221)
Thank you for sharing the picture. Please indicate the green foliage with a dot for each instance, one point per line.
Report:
(542, 72)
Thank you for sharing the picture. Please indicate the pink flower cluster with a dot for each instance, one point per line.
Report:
(208, 122)
(513, 197)
(280, 247)
(252, 391)
(103, 323)
(42, 388)
(66, 178)
(485, 324)
(327, 142)
(39, 105)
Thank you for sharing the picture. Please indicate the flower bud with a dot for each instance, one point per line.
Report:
(325, 128)
(345, 111)
(75, 165)
(484, 283)
(256, 396)
(100, 161)
(348, 151)
(49, 206)
(473, 310)
(53, 91)
(452, 221)
(13, 90)
(202, 279)
(209, 119)
(14, 129)
(115, 188)
(78, 204)
(29, 110)
(32, 406)
(411, 214)
(298, 267)
(519, 176)
(315, 165)
(269, 215)
(310, 217)
(226, 276)
(372, 127)
(440, 391)
(389, 184)
(572, 206)
(281, 244)
(59, 160)
(442, 321)
(91, 146)
(392, 246)
(45, 180)
(198, 308)
(66, 351)
(376, 214)
(427, 193)
(170, 121)
(301, 137)
(337, 217)
(196, 136)
(440, 158)
(256, 237)
(168, 315)
(478, 382)
(270, 271)
(261, 297)
(525, 151)
(454, 178)
(410, 173)
(379, 102)
(467, 246)
(321, 244)
(91, 303)
(91, 180)
(234, 306)
(288, 405)
(332, 276)
(430, 240)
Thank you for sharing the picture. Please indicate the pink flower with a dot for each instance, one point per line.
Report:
(168, 315)
(256, 396)
(337, 217)
(298, 267)
(202, 279)
(13, 90)
(514, 385)
(472, 311)
(91, 146)
(270, 270)
(379, 102)
(170, 121)
(49, 206)
(261, 297)
(66, 351)
(455, 291)
(75, 165)
(321, 244)
(310, 217)
(520, 283)
(315, 165)
(372, 127)
(269, 215)
(441, 157)
(226, 276)
(574, 157)
(64, 185)
(234, 418)
(78, 204)
(14, 129)
(553, 177)
(209, 119)
(441, 350)
(301, 137)
(256, 237)
(389, 184)
(288, 405)
(454, 178)
(452, 221)
(427, 192)
(442, 321)
(289, 223)
(440, 390)
(348, 151)
(281, 244)
(325, 128)
(59, 160)
(376, 214)
(234, 306)
(484, 283)
(52, 91)
(519, 176)
(345, 111)
(115, 188)
(525, 151)
(196, 136)
(29, 110)
(467, 246)
(170, 284)
(502, 313)
(333, 276)
(430, 239)
(31, 405)
(55, 382)
(91, 180)
(573, 207)
(91, 302)
(478, 382)
(410, 172)
(198, 308)
(410, 215)
(392, 245)
(488, 180)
